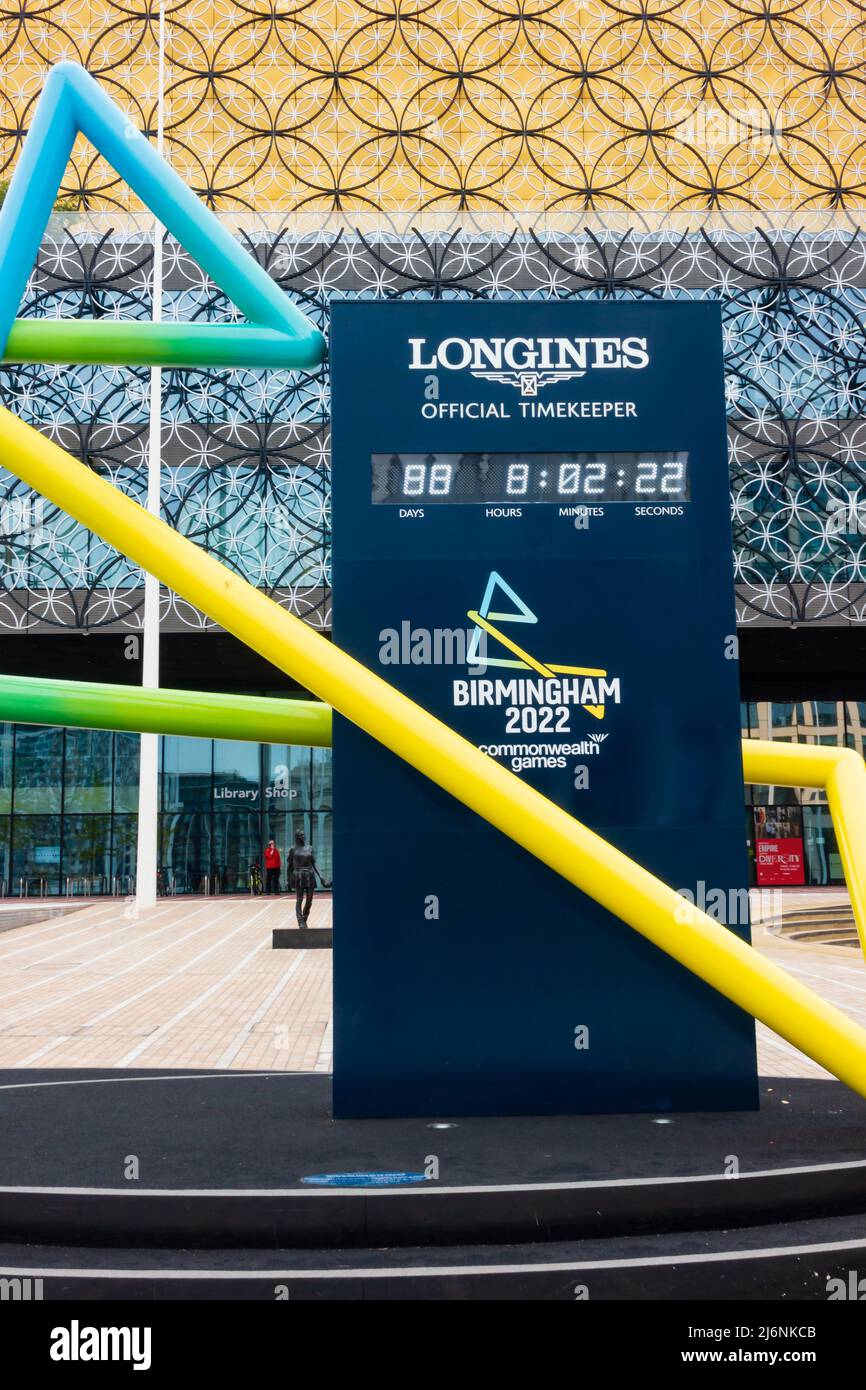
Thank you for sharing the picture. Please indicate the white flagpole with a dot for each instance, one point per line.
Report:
(148, 783)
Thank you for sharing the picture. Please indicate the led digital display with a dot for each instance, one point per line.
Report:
(476, 478)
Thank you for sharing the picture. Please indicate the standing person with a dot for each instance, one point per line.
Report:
(272, 868)
(302, 872)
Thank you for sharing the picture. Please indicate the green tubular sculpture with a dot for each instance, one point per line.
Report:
(133, 709)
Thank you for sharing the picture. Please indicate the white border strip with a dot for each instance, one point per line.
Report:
(587, 1184)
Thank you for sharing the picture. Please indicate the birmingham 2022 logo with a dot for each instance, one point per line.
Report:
(528, 364)
(540, 700)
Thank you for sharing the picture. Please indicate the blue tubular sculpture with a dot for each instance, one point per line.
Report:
(72, 102)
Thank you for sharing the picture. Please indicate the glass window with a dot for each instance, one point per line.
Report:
(778, 822)
(820, 721)
(783, 715)
(855, 722)
(829, 714)
(87, 770)
(286, 777)
(124, 843)
(127, 751)
(38, 769)
(237, 845)
(786, 796)
(322, 839)
(186, 774)
(750, 839)
(86, 858)
(322, 799)
(236, 775)
(5, 863)
(184, 850)
(281, 826)
(93, 848)
(7, 740)
(823, 864)
(759, 719)
(36, 855)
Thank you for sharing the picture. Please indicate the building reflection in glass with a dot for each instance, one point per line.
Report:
(68, 800)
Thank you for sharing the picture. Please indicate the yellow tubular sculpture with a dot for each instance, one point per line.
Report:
(842, 774)
(571, 849)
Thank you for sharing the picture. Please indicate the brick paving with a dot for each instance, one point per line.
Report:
(188, 984)
(194, 983)
(836, 973)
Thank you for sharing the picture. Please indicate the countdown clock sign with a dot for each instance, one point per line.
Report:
(473, 478)
(531, 538)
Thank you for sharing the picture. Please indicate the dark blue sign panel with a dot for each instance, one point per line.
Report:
(532, 540)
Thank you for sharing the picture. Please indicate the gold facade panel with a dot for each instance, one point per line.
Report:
(274, 105)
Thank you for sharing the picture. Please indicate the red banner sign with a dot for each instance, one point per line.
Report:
(779, 862)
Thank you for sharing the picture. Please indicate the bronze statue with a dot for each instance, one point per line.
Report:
(303, 872)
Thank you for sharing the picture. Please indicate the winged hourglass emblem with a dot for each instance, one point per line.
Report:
(528, 383)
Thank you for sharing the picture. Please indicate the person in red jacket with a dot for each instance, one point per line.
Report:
(272, 868)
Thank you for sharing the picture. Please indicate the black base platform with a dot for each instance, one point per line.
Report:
(301, 938)
(451, 1208)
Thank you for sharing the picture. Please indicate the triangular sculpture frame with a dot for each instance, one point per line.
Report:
(475, 779)
(278, 334)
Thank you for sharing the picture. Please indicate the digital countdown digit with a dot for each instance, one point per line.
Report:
(476, 478)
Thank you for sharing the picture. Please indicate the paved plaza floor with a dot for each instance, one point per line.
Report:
(194, 983)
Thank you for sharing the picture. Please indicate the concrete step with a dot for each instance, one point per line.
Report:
(819, 926)
(798, 923)
(803, 1260)
(826, 936)
(834, 914)
(10, 918)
